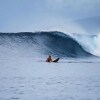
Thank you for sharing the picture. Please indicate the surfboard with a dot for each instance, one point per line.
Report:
(56, 60)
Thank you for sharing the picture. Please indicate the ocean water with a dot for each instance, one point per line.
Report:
(24, 74)
(69, 79)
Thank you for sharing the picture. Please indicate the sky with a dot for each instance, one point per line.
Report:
(46, 15)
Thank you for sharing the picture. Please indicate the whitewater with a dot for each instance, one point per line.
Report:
(24, 74)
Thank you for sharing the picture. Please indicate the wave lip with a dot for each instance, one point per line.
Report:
(44, 43)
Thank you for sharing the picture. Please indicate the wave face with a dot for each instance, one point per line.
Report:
(40, 43)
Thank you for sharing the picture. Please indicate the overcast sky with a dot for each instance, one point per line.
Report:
(45, 15)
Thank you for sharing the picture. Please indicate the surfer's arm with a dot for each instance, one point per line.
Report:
(51, 60)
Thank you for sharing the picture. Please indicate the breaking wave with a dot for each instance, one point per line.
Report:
(41, 43)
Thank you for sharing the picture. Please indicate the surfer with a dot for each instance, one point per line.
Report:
(49, 59)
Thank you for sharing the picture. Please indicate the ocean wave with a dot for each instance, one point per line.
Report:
(44, 43)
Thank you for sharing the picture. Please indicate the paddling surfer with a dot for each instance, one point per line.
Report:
(49, 59)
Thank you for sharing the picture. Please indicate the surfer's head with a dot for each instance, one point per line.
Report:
(49, 56)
